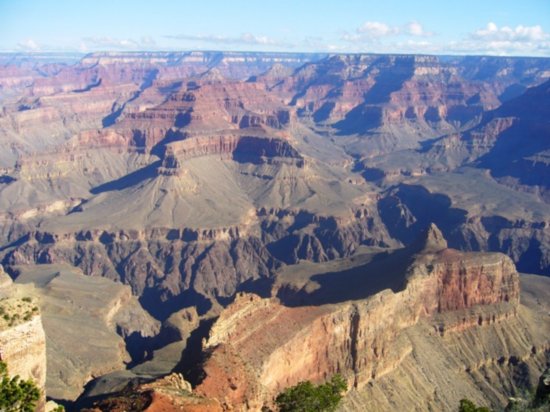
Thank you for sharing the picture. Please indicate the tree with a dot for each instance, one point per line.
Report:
(306, 397)
(16, 395)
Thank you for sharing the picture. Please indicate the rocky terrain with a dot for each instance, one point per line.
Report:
(441, 325)
(192, 177)
(83, 317)
(22, 337)
(366, 330)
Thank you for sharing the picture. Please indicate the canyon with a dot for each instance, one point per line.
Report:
(369, 332)
(197, 192)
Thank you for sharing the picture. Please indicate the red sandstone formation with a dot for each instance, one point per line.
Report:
(282, 345)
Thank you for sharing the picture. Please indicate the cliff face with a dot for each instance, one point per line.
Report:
(444, 292)
(157, 142)
(364, 94)
(162, 264)
(76, 309)
(23, 348)
(239, 147)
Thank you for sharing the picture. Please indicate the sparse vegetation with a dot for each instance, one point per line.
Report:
(16, 395)
(14, 311)
(306, 397)
(467, 405)
(538, 400)
(129, 399)
(524, 405)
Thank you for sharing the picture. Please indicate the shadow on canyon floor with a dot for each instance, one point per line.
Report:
(131, 179)
(193, 357)
(161, 309)
(386, 270)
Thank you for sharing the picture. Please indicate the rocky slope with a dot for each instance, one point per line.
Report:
(399, 100)
(23, 348)
(76, 310)
(439, 299)
(193, 176)
(171, 393)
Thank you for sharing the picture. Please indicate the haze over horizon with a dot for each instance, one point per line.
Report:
(491, 27)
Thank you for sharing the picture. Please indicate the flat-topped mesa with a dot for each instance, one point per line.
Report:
(239, 65)
(198, 107)
(210, 106)
(239, 147)
(459, 280)
(362, 339)
(104, 138)
(456, 280)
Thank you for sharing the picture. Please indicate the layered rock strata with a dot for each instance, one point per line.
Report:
(22, 338)
(364, 339)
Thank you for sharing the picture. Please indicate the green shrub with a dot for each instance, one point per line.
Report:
(306, 397)
(16, 395)
(467, 405)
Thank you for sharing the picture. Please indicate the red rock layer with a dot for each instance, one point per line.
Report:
(284, 345)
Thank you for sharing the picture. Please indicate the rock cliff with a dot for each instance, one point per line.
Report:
(192, 176)
(22, 338)
(440, 292)
(77, 309)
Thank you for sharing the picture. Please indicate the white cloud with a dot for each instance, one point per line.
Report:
(28, 45)
(504, 41)
(414, 28)
(249, 38)
(500, 48)
(378, 32)
(377, 29)
(518, 34)
(413, 38)
(148, 41)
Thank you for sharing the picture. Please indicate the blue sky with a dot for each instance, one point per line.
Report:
(499, 27)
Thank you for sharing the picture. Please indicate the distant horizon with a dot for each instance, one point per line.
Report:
(168, 51)
(430, 27)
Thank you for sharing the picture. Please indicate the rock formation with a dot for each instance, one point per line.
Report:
(76, 309)
(22, 338)
(440, 292)
(171, 393)
(23, 348)
(5, 281)
(191, 177)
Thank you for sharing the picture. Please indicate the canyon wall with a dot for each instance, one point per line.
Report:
(23, 348)
(364, 340)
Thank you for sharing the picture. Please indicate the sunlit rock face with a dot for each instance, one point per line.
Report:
(191, 177)
(362, 339)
